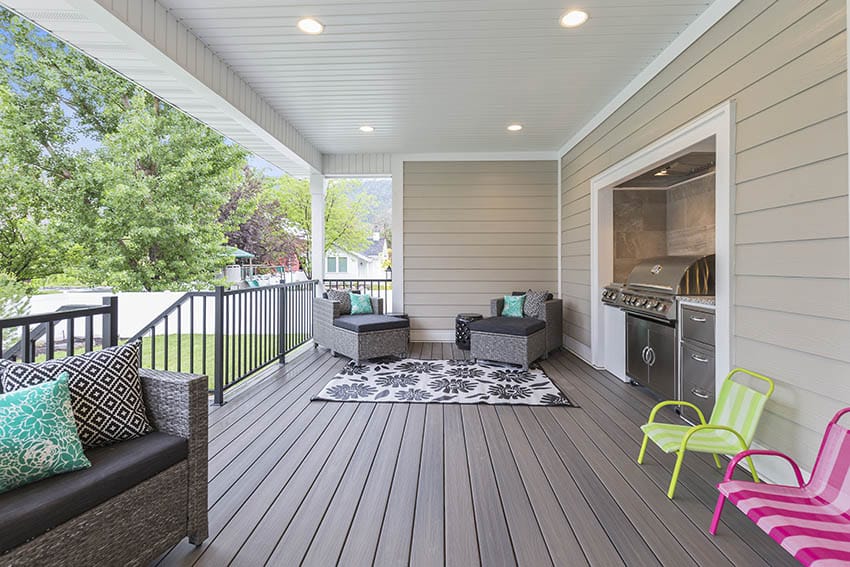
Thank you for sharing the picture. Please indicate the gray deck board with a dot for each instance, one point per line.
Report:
(296, 482)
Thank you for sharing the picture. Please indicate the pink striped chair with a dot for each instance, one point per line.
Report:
(811, 521)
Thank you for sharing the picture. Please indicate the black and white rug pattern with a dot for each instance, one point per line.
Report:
(443, 381)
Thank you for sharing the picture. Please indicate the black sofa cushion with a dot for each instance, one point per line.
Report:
(31, 510)
(366, 323)
(516, 326)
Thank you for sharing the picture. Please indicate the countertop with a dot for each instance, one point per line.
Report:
(698, 300)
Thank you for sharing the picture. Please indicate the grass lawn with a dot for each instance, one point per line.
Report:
(248, 346)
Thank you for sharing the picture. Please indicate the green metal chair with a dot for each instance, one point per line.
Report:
(731, 428)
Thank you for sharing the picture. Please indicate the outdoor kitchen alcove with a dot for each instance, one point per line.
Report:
(649, 223)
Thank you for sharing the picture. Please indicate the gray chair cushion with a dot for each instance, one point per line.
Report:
(516, 326)
(31, 510)
(366, 323)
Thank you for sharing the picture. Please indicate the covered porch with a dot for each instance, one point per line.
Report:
(506, 141)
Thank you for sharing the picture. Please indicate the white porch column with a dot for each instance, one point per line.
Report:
(318, 185)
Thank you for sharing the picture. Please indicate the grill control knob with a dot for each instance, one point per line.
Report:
(661, 307)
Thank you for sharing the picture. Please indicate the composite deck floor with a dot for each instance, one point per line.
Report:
(292, 481)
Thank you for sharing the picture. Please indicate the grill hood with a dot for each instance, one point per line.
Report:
(673, 275)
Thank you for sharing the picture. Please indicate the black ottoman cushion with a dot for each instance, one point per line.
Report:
(366, 323)
(516, 326)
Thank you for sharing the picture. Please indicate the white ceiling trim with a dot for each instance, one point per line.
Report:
(479, 156)
(694, 31)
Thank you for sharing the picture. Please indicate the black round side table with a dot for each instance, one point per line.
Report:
(462, 322)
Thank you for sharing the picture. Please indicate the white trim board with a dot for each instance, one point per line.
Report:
(694, 31)
(719, 123)
(397, 169)
(432, 336)
(580, 350)
(479, 156)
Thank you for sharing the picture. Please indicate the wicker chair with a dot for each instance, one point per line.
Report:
(137, 525)
(359, 337)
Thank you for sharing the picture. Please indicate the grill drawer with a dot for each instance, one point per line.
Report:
(697, 380)
(698, 325)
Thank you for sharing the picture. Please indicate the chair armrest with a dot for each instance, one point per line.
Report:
(675, 403)
(326, 309)
(377, 305)
(697, 428)
(551, 311)
(730, 469)
(496, 306)
(177, 404)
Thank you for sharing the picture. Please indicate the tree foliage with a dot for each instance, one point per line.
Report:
(345, 211)
(256, 222)
(102, 179)
(105, 184)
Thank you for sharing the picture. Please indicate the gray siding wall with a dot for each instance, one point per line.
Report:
(474, 231)
(784, 63)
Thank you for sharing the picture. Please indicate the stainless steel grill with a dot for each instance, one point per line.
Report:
(649, 300)
(654, 283)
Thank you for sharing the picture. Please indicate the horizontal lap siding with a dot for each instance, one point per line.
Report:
(784, 65)
(474, 231)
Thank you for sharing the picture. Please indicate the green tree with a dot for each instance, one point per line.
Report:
(147, 209)
(14, 301)
(255, 221)
(102, 180)
(345, 212)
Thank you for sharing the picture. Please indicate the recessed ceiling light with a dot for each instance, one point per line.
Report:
(573, 18)
(515, 127)
(662, 173)
(366, 128)
(311, 26)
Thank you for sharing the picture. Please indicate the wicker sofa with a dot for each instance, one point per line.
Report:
(359, 337)
(138, 499)
(517, 340)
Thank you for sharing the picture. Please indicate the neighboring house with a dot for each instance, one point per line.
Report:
(368, 264)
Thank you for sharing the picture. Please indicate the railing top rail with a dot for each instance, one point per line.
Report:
(54, 316)
(274, 286)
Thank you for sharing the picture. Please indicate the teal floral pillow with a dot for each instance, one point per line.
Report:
(513, 306)
(360, 304)
(38, 435)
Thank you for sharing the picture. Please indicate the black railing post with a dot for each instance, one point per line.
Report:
(218, 365)
(110, 322)
(281, 324)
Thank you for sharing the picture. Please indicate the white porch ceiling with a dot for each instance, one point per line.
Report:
(436, 75)
(432, 76)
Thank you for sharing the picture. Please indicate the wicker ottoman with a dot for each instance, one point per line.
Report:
(361, 337)
(514, 340)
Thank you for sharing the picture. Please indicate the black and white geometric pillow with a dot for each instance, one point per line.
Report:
(106, 391)
(534, 300)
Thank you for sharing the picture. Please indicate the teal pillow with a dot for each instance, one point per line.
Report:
(360, 304)
(38, 435)
(513, 306)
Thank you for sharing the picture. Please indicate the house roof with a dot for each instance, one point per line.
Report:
(375, 248)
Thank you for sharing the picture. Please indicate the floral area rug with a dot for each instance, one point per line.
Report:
(442, 381)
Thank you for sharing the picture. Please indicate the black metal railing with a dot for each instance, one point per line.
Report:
(229, 335)
(28, 338)
(375, 288)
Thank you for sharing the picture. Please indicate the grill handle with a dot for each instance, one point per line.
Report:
(698, 319)
(700, 393)
(699, 358)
